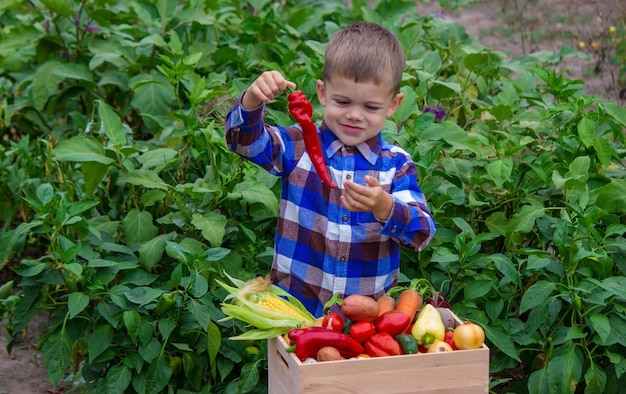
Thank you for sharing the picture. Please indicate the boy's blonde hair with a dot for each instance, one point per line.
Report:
(365, 52)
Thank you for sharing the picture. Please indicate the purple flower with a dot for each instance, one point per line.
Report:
(439, 15)
(439, 112)
(92, 28)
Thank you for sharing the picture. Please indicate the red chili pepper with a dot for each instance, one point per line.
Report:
(309, 340)
(449, 339)
(361, 331)
(333, 321)
(392, 322)
(382, 344)
(302, 110)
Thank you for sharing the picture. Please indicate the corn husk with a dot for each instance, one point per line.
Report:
(265, 323)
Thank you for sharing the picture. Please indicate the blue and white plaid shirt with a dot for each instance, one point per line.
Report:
(321, 248)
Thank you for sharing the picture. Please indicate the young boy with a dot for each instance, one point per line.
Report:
(343, 240)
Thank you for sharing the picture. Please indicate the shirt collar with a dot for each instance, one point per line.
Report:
(369, 149)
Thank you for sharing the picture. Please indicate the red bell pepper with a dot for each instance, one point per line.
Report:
(449, 339)
(302, 110)
(382, 344)
(309, 340)
(392, 322)
(361, 331)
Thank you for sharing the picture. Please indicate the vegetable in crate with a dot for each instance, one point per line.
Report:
(358, 307)
(428, 327)
(381, 345)
(264, 306)
(361, 331)
(333, 321)
(469, 336)
(392, 322)
(407, 343)
(308, 341)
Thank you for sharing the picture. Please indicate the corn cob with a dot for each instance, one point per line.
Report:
(264, 306)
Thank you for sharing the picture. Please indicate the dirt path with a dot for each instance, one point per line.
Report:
(23, 371)
(522, 27)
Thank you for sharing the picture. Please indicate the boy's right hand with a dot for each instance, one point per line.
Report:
(265, 88)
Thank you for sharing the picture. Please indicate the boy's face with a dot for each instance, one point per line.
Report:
(356, 112)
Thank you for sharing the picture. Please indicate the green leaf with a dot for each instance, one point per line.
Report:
(565, 368)
(616, 111)
(476, 289)
(612, 197)
(604, 151)
(595, 379)
(44, 85)
(74, 71)
(132, 322)
(504, 264)
(249, 378)
(524, 220)
(157, 159)
(158, 375)
(502, 340)
(457, 137)
(254, 192)
(199, 285)
(211, 225)
(151, 251)
(61, 7)
(537, 294)
(22, 37)
(142, 295)
(138, 227)
(586, 131)
(145, 178)
(118, 379)
(153, 94)
(57, 354)
(112, 125)
(6, 290)
(166, 327)
(81, 149)
(214, 341)
(93, 173)
(76, 303)
(201, 313)
(601, 325)
(408, 106)
(500, 170)
(99, 341)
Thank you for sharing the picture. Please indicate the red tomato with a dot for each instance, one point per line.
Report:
(469, 336)
(333, 322)
(361, 331)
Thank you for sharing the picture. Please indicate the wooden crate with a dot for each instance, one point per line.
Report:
(459, 371)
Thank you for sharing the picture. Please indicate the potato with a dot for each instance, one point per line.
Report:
(358, 307)
(328, 353)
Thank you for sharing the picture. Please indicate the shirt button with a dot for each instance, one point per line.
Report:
(342, 259)
(344, 218)
(394, 229)
(348, 177)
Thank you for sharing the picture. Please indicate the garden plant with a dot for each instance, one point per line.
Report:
(120, 204)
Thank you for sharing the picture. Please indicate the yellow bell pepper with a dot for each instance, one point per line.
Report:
(428, 327)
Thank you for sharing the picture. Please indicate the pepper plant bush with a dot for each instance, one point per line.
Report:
(121, 204)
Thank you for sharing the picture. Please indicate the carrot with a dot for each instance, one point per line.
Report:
(385, 303)
(409, 302)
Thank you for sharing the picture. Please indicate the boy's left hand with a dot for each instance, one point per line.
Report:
(367, 198)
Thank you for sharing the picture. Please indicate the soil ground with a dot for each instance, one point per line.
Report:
(515, 27)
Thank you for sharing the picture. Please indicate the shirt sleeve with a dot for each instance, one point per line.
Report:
(410, 221)
(271, 147)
